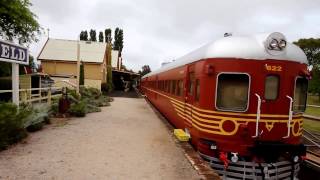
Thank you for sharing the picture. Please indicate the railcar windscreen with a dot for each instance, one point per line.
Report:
(232, 92)
(271, 88)
(300, 95)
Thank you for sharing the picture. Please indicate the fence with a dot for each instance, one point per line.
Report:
(37, 94)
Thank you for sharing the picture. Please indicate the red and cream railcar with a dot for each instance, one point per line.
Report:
(241, 101)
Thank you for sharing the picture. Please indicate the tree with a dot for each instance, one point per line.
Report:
(81, 78)
(145, 70)
(85, 35)
(17, 22)
(108, 35)
(311, 48)
(101, 36)
(81, 35)
(109, 68)
(314, 83)
(118, 40)
(93, 35)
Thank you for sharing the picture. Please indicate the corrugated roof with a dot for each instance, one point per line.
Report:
(66, 50)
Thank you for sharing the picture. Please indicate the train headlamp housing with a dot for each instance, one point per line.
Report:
(295, 159)
(282, 44)
(275, 44)
(234, 157)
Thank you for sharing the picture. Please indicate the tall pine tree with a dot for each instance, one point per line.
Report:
(101, 36)
(85, 35)
(93, 35)
(118, 40)
(108, 35)
(81, 36)
(81, 78)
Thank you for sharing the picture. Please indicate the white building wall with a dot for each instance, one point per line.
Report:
(114, 59)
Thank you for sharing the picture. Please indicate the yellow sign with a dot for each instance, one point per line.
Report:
(273, 68)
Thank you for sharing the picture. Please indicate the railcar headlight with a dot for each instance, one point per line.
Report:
(234, 157)
(282, 44)
(273, 44)
(295, 159)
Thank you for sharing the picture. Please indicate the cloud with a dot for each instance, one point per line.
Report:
(156, 31)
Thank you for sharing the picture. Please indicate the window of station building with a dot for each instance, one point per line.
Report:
(232, 92)
(271, 88)
(197, 93)
(300, 94)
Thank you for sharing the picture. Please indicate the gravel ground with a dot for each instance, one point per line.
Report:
(124, 141)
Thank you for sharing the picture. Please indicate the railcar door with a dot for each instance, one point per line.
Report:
(189, 95)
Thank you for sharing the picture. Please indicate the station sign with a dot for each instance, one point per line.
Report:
(13, 53)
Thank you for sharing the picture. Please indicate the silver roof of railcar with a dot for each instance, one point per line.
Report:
(242, 47)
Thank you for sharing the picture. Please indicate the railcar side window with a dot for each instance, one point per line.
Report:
(197, 97)
(173, 91)
(271, 88)
(300, 95)
(180, 88)
(166, 86)
(191, 83)
(232, 92)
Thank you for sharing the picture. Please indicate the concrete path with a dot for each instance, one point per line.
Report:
(124, 141)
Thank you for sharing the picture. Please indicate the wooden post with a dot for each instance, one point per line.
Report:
(24, 96)
(78, 68)
(40, 89)
(49, 96)
(15, 83)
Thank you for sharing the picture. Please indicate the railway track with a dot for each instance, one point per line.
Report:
(312, 141)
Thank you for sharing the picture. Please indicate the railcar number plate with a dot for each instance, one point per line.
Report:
(273, 68)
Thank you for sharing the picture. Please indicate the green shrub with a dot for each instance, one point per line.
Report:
(12, 124)
(78, 109)
(90, 92)
(73, 93)
(38, 117)
(91, 108)
(35, 127)
(54, 108)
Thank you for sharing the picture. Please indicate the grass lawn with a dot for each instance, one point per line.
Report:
(313, 111)
(313, 100)
(311, 125)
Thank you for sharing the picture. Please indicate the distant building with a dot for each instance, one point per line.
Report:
(58, 58)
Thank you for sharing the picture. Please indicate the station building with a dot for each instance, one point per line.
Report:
(58, 58)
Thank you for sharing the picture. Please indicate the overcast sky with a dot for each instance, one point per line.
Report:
(156, 31)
